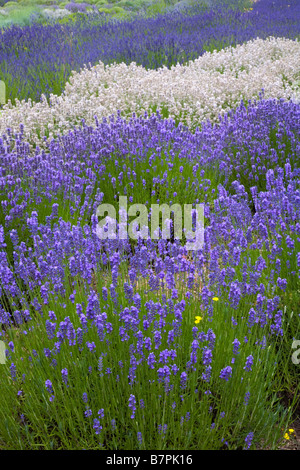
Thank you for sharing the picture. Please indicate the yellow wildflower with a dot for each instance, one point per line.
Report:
(198, 319)
(291, 431)
(286, 436)
(215, 299)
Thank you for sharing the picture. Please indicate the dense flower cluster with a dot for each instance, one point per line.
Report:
(66, 248)
(248, 230)
(54, 51)
(204, 89)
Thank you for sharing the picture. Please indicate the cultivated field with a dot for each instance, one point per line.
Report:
(117, 330)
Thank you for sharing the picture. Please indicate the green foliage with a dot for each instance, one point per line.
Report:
(47, 2)
(19, 14)
(129, 4)
(156, 8)
(119, 12)
(65, 415)
(234, 4)
(114, 11)
(10, 4)
(104, 10)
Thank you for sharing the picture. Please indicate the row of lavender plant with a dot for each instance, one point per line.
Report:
(116, 344)
(206, 88)
(54, 51)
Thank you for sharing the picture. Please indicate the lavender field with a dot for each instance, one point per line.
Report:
(140, 342)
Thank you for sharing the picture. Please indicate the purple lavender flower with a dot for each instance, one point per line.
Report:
(49, 386)
(236, 344)
(206, 375)
(226, 373)
(142, 404)
(13, 371)
(85, 397)
(147, 343)
(151, 360)
(64, 374)
(252, 317)
(249, 363)
(162, 429)
(97, 426)
(76, 7)
(132, 403)
(183, 379)
(88, 413)
(211, 338)
(248, 440)
(247, 397)
(206, 356)
(47, 352)
(100, 364)
(50, 329)
(164, 356)
(91, 346)
(79, 334)
(164, 374)
(104, 294)
(157, 339)
(282, 283)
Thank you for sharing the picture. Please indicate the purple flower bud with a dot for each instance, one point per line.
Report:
(226, 373)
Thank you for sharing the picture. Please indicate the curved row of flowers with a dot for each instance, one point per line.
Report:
(206, 88)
